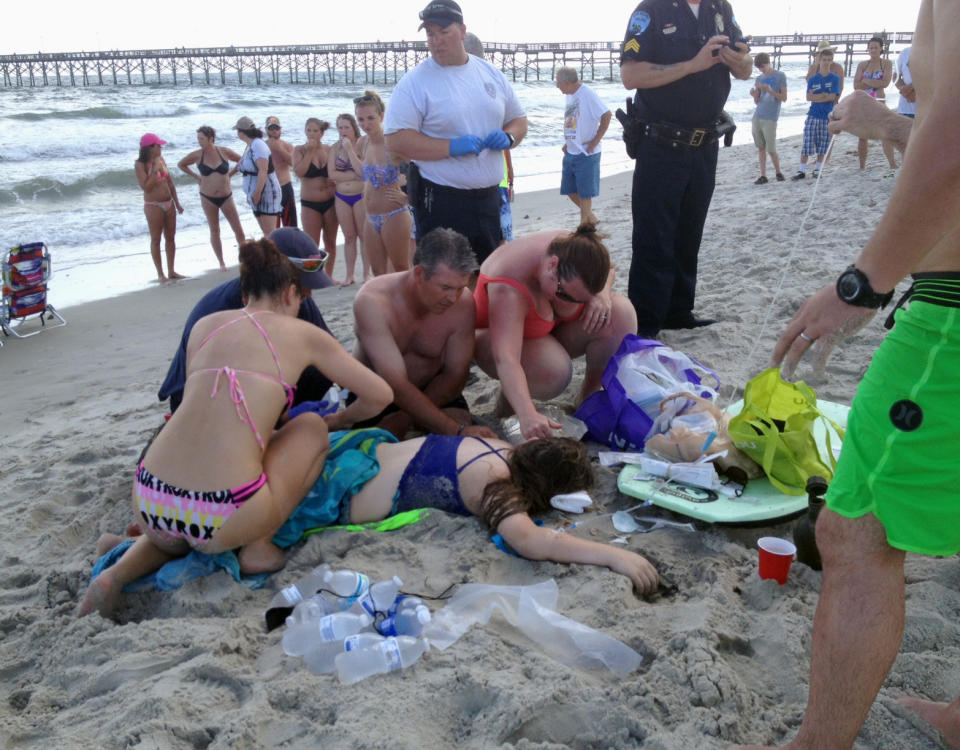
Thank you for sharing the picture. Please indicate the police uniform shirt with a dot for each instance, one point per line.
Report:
(666, 32)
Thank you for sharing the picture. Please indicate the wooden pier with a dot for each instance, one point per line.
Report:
(361, 63)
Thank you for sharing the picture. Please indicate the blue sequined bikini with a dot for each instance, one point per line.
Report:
(431, 479)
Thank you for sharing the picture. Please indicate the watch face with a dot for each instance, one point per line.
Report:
(848, 286)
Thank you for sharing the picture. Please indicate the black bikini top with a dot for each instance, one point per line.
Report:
(205, 171)
(314, 171)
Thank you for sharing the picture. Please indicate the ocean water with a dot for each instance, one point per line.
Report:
(67, 154)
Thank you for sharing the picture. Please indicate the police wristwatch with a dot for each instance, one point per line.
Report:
(512, 139)
(853, 287)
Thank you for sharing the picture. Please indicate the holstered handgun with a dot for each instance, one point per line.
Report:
(632, 128)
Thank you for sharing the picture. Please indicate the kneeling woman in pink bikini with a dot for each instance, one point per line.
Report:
(218, 476)
(159, 201)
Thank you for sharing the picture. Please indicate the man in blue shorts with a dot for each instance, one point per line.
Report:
(585, 120)
(896, 485)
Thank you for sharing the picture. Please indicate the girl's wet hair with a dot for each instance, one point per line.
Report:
(322, 124)
(144, 155)
(208, 132)
(370, 99)
(539, 469)
(264, 270)
(353, 123)
(582, 254)
(252, 132)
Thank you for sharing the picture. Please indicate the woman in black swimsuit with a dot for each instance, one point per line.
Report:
(316, 189)
(214, 181)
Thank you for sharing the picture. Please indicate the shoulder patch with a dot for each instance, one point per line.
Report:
(639, 22)
(631, 46)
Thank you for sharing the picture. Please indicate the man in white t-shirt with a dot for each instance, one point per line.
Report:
(452, 116)
(585, 120)
(908, 97)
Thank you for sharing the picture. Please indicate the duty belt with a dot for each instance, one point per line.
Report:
(679, 137)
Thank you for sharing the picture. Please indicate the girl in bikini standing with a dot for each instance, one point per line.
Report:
(387, 229)
(316, 189)
(873, 76)
(344, 167)
(159, 201)
(214, 181)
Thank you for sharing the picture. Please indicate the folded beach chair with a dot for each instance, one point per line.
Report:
(25, 272)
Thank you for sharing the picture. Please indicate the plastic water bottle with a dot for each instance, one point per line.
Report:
(283, 602)
(298, 640)
(310, 610)
(348, 585)
(404, 600)
(389, 656)
(379, 597)
(407, 621)
(321, 658)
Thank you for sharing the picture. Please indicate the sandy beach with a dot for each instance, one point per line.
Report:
(725, 659)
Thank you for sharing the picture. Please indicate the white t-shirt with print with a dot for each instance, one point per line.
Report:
(581, 119)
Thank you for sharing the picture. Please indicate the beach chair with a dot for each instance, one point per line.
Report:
(25, 272)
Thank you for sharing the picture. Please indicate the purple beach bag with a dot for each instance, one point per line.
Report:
(640, 374)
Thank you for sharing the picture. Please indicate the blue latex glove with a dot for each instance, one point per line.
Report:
(305, 406)
(465, 144)
(496, 139)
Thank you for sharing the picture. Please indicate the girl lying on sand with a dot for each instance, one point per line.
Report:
(369, 476)
(240, 364)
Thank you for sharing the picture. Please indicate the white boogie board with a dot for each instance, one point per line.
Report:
(760, 500)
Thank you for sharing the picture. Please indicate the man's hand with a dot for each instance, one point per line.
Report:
(496, 139)
(908, 92)
(466, 144)
(710, 54)
(859, 114)
(738, 60)
(825, 319)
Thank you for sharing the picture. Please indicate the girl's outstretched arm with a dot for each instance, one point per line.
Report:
(537, 543)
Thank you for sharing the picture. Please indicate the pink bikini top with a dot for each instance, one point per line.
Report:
(236, 391)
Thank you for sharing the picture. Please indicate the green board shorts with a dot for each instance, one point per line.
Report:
(899, 459)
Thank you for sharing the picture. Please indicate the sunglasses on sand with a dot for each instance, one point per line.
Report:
(311, 264)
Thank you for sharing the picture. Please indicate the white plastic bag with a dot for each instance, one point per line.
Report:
(531, 609)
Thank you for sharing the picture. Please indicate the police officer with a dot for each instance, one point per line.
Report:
(679, 55)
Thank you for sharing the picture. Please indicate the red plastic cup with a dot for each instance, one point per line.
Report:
(776, 554)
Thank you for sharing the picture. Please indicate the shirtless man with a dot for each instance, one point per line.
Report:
(282, 153)
(415, 329)
(895, 486)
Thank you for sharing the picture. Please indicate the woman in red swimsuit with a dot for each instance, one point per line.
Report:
(218, 477)
(543, 301)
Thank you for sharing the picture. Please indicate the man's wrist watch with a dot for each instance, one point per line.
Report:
(512, 139)
(853, 287)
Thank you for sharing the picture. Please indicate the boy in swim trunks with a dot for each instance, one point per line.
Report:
(895, 489)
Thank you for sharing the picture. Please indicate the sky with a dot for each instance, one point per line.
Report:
(120, 24)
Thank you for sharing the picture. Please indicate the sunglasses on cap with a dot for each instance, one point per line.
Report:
(565, 296)
(311, 264)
